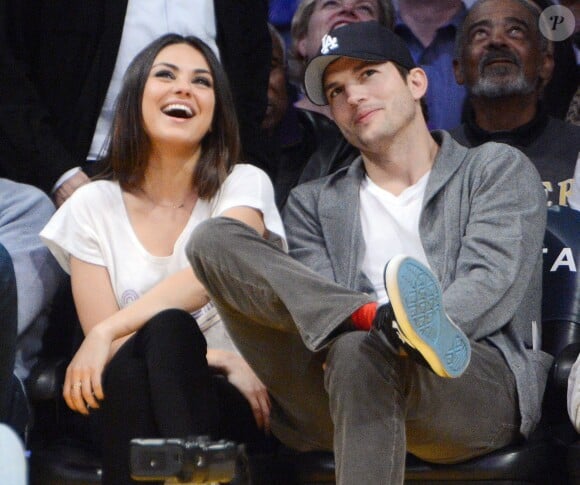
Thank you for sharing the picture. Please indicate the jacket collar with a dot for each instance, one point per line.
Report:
(448, 160)
(346, 183)
(339, 209)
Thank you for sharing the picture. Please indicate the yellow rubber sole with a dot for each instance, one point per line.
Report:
(416, 300)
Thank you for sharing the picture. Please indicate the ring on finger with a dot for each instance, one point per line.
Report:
(77, 385)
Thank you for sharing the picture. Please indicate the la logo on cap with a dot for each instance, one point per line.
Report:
(328, 43)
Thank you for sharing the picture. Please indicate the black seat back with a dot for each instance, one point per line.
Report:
(561, 285)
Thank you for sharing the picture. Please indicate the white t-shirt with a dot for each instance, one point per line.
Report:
(390, 226)
(93, 226)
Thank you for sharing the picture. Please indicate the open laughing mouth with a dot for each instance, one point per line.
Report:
(177, 110)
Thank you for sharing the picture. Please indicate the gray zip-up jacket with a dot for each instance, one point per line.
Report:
(482, 227)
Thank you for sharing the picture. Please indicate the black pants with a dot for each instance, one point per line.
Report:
(159, 385)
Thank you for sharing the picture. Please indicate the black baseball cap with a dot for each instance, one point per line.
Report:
(368, 41)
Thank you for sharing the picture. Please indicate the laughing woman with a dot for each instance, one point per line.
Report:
(153, 368)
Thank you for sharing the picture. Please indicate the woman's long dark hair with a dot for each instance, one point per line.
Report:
(129, 145)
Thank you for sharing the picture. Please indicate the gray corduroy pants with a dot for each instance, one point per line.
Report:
(369, 405)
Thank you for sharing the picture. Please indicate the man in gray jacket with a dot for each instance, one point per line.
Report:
(469, 220)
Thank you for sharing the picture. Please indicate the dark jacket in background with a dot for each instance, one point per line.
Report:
(310, 146)
(550, 143)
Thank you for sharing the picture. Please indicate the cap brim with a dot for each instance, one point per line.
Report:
(313, 79)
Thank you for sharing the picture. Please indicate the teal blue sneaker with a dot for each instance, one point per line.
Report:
(420, 320)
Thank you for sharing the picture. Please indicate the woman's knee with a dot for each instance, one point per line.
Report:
(170, 318)
(172, 327)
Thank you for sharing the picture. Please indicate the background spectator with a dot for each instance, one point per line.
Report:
(505, 62)
(559, 91)
(280, 16)
(27, 293)
(573, 114)
(305, 144)
(429, 30)
(314, 18)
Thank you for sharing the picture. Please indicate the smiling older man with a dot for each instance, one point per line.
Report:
(505, 62)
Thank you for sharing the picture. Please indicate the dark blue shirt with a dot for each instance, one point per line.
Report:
(444, 96)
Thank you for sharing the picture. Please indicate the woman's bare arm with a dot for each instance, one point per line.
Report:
(181, 290)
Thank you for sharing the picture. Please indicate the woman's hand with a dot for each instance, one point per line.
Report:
(82, 385)
(241, 375)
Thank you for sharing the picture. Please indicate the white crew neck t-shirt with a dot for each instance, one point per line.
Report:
(390, 226)
(93, 225)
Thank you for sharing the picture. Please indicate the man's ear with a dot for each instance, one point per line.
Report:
(458, 71)
(417, 82)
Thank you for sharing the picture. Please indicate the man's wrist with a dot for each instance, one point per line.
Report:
(64, 177)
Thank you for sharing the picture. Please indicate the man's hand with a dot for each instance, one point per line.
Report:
(69, 186)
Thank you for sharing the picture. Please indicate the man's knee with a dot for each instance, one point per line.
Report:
(205, 236)
(347, 358)
(212, 237)
(217, 239)
(355, 359)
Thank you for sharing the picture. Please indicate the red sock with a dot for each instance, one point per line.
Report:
(363, 318)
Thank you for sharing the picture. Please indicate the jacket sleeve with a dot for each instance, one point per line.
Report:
(24, 211)
(29, 150)
(303, 230)
(500, 250)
